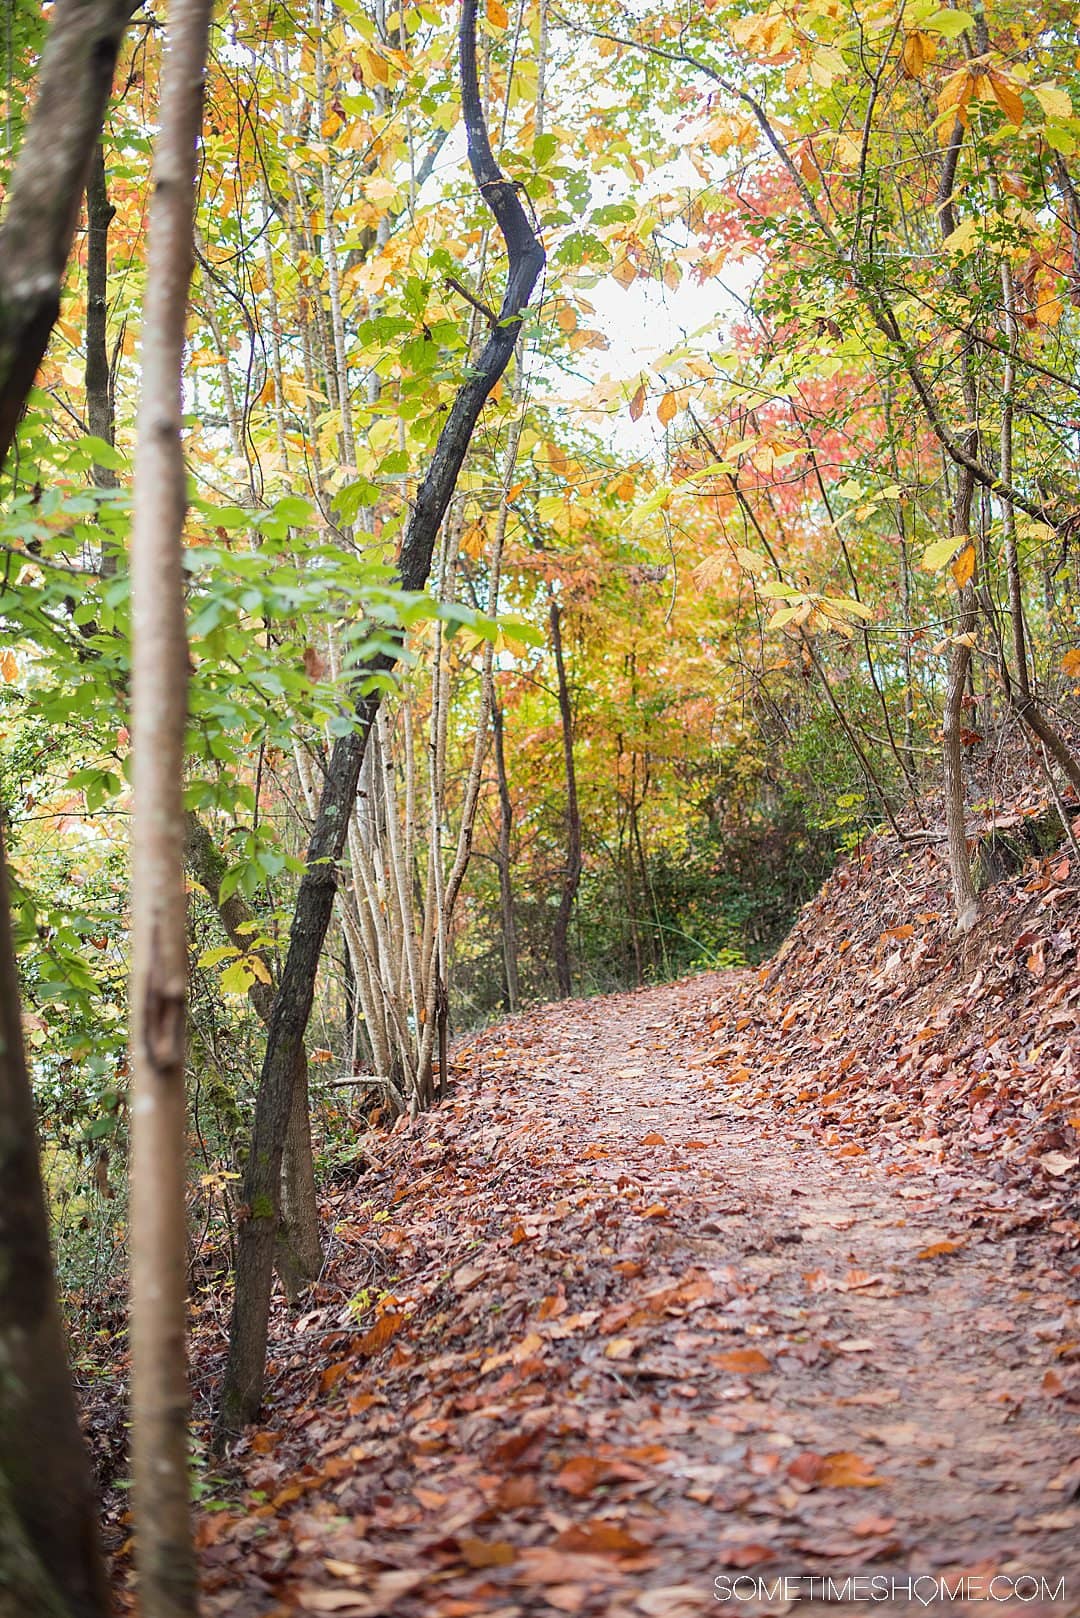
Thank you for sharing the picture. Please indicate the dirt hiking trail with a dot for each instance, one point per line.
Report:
(593, 1336)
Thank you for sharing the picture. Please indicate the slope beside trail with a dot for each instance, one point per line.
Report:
(593, 1334)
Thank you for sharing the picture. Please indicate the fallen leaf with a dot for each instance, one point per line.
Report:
(744, 1361)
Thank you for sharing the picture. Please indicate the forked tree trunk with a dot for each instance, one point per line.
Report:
(158, 1003)
(572, 868)
(48, 1529)
(241, 1392)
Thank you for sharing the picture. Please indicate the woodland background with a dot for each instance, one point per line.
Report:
(701, 615)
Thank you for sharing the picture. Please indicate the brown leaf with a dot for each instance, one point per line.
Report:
(487, 1552)
(333, 1374)
(744, 1555)
(599, 1538)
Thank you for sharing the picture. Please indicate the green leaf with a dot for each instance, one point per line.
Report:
(948, 22)
(103, 453)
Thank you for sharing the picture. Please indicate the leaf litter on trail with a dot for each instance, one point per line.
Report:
(570, 1374)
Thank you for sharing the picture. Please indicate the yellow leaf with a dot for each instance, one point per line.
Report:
(259, 967)
(919, 49)
(942, 551)
(1054, 102)
(962, 239)
(953, 97)
(963, 568)
(566, 319)
(497, 14)
(624, 273)
(826, 66)
(667, 409)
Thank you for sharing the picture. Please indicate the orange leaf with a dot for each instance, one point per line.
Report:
(963, 567)
(667, 409)
(380, 1334)
(1007, 96)
(653, 1139)
(842, 1470)
(497, 13)
(581, 1475)
(744, 1361)
(333, 1374)
(939, 1249)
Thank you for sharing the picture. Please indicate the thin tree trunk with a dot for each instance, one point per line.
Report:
(965, 902)
(158, 1005)
(507, 914)
(49, 1539)
(572, 869)
(100, 415)
(242, 1389)
(1018, 687)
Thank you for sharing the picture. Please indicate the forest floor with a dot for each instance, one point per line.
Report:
(600, 1330)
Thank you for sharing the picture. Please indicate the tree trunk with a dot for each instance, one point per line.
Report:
(242, 1389)
(158, 1002)
(48, 1530)
(572, 869)
(508, 918)
(44, 1472)
(47, 188)
(100, 414)
(965, 902)
(299, 1254)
